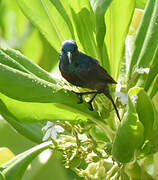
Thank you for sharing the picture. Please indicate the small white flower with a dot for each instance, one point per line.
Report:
(82, 137)
(51, 130)
(122, 97)
(142, 70)
(48, 125)
(134, 99)
(47, 135)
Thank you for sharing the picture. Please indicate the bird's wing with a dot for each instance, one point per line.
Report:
(103, 75)
(90, 69)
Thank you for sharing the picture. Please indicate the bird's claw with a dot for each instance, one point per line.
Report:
(80, 96)
(90, 106)
(81, 99)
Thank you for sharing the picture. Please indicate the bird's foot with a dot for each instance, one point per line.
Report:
(90, 106)
(86, 93)
(90, 102)
(81, 99)
(80, 96)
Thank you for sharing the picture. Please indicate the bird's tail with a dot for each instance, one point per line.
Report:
(107, 94)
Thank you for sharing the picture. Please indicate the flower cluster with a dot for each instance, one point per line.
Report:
(82, 153)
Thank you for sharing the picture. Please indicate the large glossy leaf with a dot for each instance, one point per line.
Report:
(117, 20)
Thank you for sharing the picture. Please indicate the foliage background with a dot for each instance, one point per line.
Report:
(17, 32)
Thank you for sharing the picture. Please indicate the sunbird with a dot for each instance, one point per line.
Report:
(84, 71)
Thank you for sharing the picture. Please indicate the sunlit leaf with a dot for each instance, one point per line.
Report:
(118, 19)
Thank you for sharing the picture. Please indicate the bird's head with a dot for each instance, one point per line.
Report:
(69, 47)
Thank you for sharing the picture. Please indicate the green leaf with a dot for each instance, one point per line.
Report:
(29, 88)
(151, 40)
(151, 146)
(49, 57)
(140, 4)
(47, 16)
(33, 131)
(150, 44)
(99, 11)
(153, 72)
(24, 87)
(131, 129)
(15, 84)
(83, 19)
(15, 168)
(145, 110)
(77, 18)
(99, 134)
(26, 64)
(6, 60)
(118, 19)
(34, 112)
(141, 35)
(154, 89)
(100, 7)
(2, 177)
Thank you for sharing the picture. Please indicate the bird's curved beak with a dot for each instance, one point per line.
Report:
(69, 55)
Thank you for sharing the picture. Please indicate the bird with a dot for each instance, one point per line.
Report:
(84, 71)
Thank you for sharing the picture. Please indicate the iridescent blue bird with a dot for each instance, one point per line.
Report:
(84, 71)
